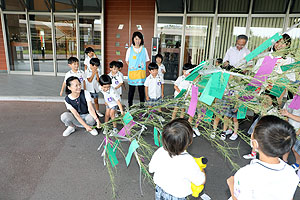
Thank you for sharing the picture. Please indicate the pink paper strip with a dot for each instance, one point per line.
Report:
(295, 104)
(194, 101)
(126, 129)
(265, 69)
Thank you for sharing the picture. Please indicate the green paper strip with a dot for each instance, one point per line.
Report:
(127, 118)
(133, 146)
(208, 115)
(181, 93)
(156, 140)
(203, 82)
(195, 73)
(242, 112)
(205, 97)
(250, 88)
(218, 84)
(266, 44)
(285, 68)
(278, 90)
(116, 144)
(111, 155)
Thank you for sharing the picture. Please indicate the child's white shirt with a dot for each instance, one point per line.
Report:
(87, 60)
(160, 69)
(263, 181)
(116, 80)
(93, 86)
(181, 84)
(294, 123)
(79, 74)
(175, 174)
(111, 97)
(154, 86)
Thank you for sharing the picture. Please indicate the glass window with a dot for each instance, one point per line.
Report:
(66, 46)
(169, 30)
(89, 6)
(164, 6)
(64, 6)
(270, 6)
(197, 39)
(38, 5)
(234, 6)
(203, 6)
(295, 32)
(15, 5)
(262, 29)
(295, 8)
(41, 40)
(90, 35)
(228, 28)
(17, 42)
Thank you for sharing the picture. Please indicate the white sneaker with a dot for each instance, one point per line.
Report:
(249, 156)
(105, 131)
(194, 135)
(233, 136)
(99, 113)
(94, 132)
(68, 131)
(196, 131)
(161, 118)
(229, 131)
(223, 135)
(116, 115)
(213, 135)
(115, 131)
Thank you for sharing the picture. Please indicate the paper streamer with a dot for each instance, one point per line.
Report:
(126, 129)
(194, 101)
(277, 90)
(266, 44)
(203, 82)
(265, 69)
(208, 115)
(127, 118)
(205, 97)
(181, 93)
(133, 146)
(219, 84)
(295, 104)
(156, 140)
(285, 68)
(195, 73)
(242, 111)
(112, 155)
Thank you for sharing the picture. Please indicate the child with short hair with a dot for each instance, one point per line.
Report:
(116, 77)
(154, 86)
(173, 167)
(92, 83)
(268, 178)
(161, 67)
(112, 100)
(120, 67)
(90, 53)
(180, 84)
(73, 63)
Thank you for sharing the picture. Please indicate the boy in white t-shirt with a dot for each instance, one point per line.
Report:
(112, 100)
(92, 83)
(268, 178)
(173, 167)
(116, 77)
(154, 86)
(161, 67)
(73, 63)
(90, 53)
(120, 67)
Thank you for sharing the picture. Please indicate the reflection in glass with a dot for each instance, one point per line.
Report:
(89, 6)
(228, 28)
(17, 42)
(169, 30)
(197, 39)
(38, 5)
(262, 29)
(203, 6)
(90, 35)
(65, 34)
(41, 39)
(14, 5)
(64, 6)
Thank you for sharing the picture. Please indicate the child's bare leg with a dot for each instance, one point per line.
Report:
(112, 116)
(236, 125)
(96, 104)
(297, 156)
(200, 116)
(107, 114)
(226, 122)
(174, 113)
(216, 122)
(182, 113)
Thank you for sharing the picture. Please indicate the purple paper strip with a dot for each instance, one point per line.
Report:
(265, 69)
(126, 129)
(194, 101)
(295, 104)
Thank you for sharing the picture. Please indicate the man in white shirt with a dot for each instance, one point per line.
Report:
(234, 55)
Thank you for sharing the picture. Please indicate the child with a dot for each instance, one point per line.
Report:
(116, 77)
(92, 85)
(120, 67)
(219, 61)
(173, 167)
(73, 63)
(161, 67)
(268, 178)
(180, 84)
(154, 86)
(79, 103)
(89, 51)
(112, 100)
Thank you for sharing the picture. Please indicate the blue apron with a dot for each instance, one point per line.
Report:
(137, 67)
